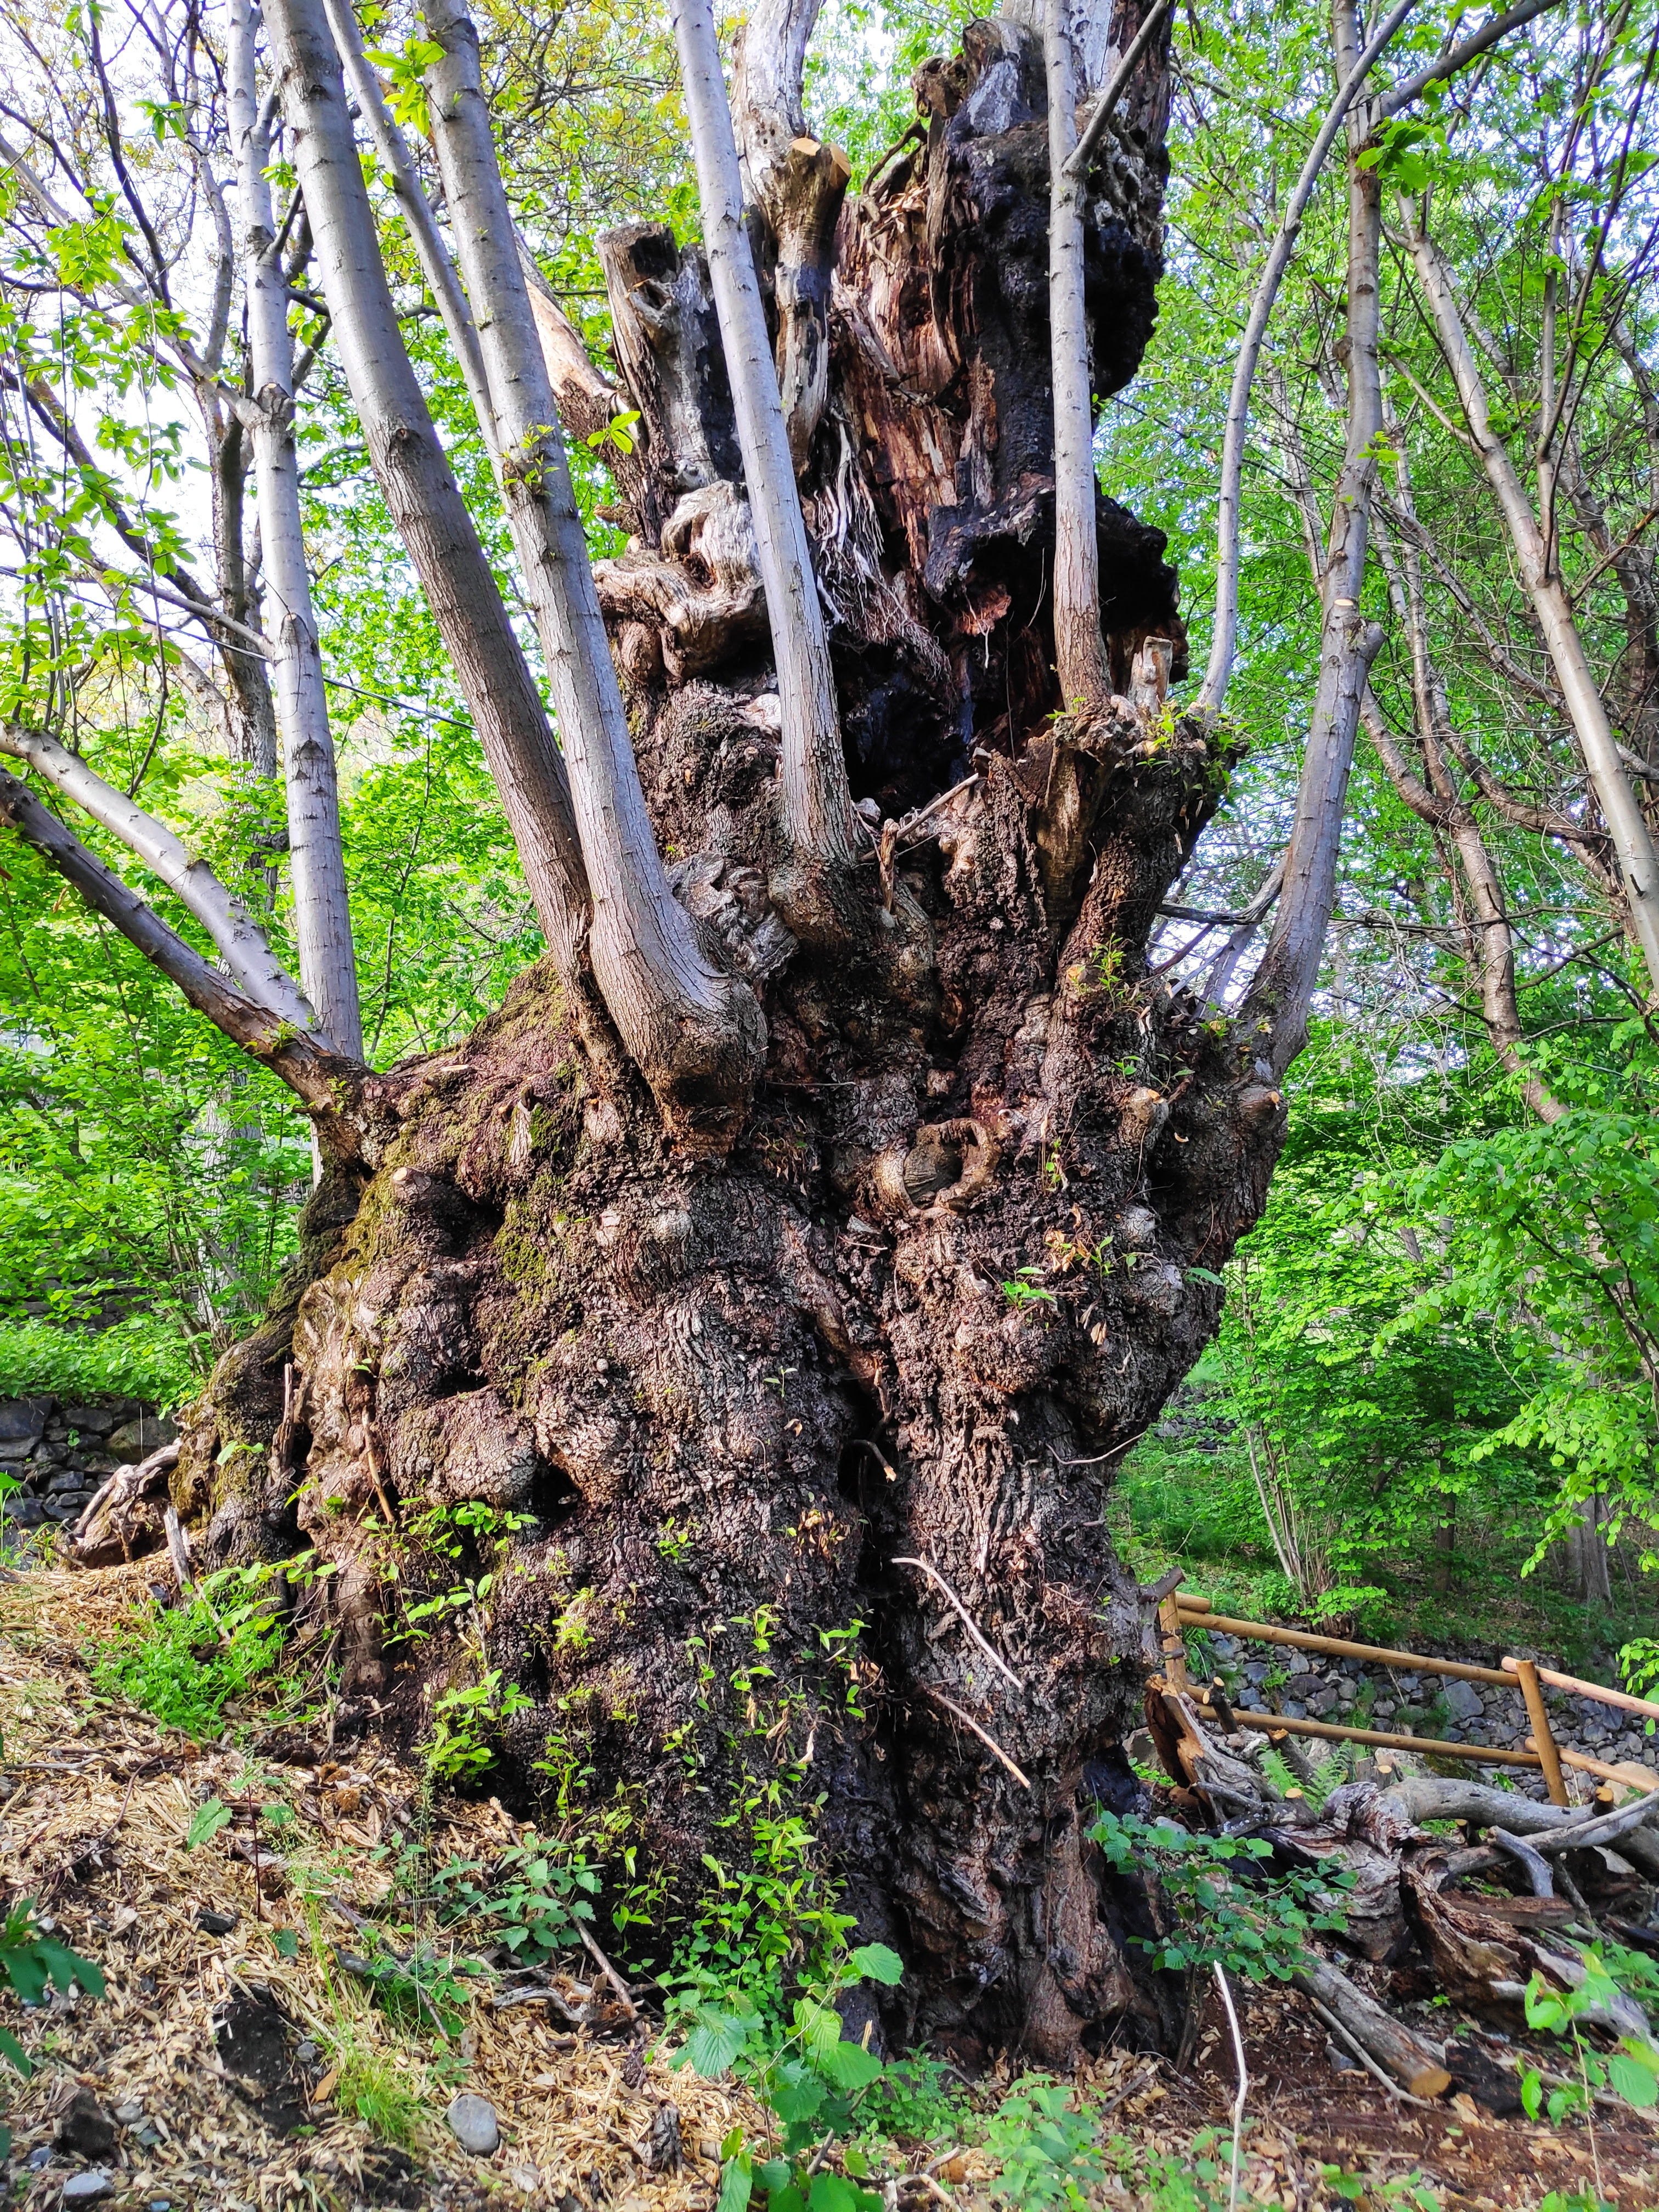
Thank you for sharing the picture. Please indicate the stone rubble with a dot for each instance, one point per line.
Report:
(61, 1452)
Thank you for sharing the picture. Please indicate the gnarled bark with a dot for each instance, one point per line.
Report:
(962, 1246)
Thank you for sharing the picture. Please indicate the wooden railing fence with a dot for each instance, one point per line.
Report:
(1182, 1611)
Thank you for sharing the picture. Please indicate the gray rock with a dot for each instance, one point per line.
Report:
(135, 1440)
(86, 2188)
(62, 1509)
(61, 1484)
(22, 1423)
(88, 1420)
(1298, 1663)
(130, 2114)
(23, 1512)
(1463, 1701)
(1292, 1710)
(472, 2123)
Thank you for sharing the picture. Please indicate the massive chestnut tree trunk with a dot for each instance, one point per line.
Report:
(792, 1377)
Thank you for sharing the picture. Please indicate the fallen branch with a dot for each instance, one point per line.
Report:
(609, 1971)
(1358, 2048)
(1408, 2060)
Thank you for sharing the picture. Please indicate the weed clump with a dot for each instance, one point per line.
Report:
(186, 1663)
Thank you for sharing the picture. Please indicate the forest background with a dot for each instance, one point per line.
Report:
(1439, 1356)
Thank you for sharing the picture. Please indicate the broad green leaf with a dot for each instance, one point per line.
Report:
(875, 1962)
(849, 2066)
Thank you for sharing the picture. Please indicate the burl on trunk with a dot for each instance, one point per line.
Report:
(758, 1428)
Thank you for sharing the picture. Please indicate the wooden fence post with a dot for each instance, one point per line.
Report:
(1174, 1644)
(1543, 1741)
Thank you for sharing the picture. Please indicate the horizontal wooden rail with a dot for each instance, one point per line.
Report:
(1619, 1775)
(1622, 1699)
(1262, 1631)
(1272, 1724)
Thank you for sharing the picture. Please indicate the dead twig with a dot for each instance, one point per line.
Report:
(609, 1971)
(989, 1741)
(967, 1620)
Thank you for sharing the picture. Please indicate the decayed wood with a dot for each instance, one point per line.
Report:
(124, 1519)
(1405, 2056)
(1339, 1647)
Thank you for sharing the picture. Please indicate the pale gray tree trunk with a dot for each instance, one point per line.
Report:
(696, 1034)
(322, 910)
(1282, 988)
(1224, 638)
(1552, 603)
(816, 801)
(415, 476)
(238, 940)
(1079, 649)
(439, 270)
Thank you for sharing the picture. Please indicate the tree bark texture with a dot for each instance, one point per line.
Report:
(966, 1241)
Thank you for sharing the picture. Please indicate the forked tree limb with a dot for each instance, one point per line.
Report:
(322, 907)
(442, 280)
(242, 945)
(411, 466)
(1085, 682)
(1224, 643)
(1546, 589)
(323, 1079)
(1460, 56)
(816, 800)
(696, 1034)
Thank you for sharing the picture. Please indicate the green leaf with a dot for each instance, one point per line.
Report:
(13, 2050)
(206, 1822)
(850, 2067)
(874, 1962)
(66, 1967)
(713, 2043)
(1635, 2083)
(287, 1942)
(798, 2100)
(736, 2186)
(831, 2194)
